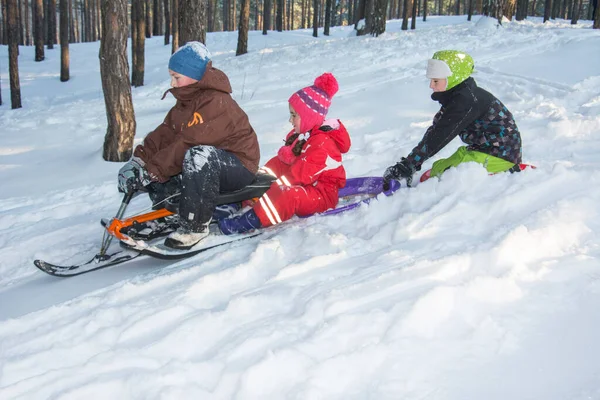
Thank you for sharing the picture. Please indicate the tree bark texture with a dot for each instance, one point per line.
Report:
(39, 30)
(405, 6)
(266, 16)
(64, 40)
(167, 22)
(192, 21)
(327, 17)
(174, 25)
(138, 41)
(51, 18)
(13, 52)
(279, 16)
(315, 18)
(243, 26)
(114, 71)
(547, 9)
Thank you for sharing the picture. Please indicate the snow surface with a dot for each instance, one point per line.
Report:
(470, 287)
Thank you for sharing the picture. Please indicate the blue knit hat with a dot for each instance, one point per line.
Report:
(190, 60)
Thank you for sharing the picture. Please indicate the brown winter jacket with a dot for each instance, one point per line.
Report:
(205, 114)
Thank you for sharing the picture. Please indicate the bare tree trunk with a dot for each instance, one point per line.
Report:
(225, 10)
(360, 13)
(192, 21)
(508, 9)
(174, 25)
(327, 17)
(457, 7)
(425, 10)
(596, 15)
(148, 16)
(155, 15)
(266, 16)
(138, 41)
(51, 18)
(39, 30)
(13, 52)
(469, 11)
(167, 22)
(413, 20)
(575, 14)
(114, 70)
(316, 18)
(243, 26)
(405, 15)
(279, 16)
(547, 10)
(64, 40)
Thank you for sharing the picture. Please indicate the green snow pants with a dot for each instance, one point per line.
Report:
(462, 155)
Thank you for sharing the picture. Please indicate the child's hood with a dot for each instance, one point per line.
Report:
(336, 131)
(213, 79)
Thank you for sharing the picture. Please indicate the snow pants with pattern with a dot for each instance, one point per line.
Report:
(206, 172)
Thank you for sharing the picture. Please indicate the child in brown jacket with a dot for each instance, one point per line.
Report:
(204, 146)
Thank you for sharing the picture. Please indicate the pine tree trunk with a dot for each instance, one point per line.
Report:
(167, 22)
(266, 16)
(469, 11)
(243, 26)
(413, 20)
(155, 15)
(279, 18)
(148, 10)
(405, 15)
(596, 15)
(39, 30)
(327, 17)
(138, 41)
(13, 52)
(64, 40)
(316, 18)
(575, 13)
(192, 21)
(114, 71)
(547, 9)
(51, 18)
(425, 10)
(174, 25)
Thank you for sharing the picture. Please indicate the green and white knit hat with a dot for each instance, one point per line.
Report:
(454, 65)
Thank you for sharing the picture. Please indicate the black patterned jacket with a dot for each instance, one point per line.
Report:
(479, 118)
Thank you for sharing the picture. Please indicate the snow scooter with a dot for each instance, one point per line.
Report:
(357, 191)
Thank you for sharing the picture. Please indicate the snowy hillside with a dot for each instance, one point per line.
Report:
(469, 287)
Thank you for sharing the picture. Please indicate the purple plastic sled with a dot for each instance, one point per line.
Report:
(371, 186)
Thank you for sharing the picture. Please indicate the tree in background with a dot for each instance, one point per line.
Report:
(64, 40)
(596, 15)
(12, 13)
(167, 14)
(138, 41)
(266, 16)
(405, 6)
(175, 25)
(51, 23)
(315, 18)
(192, 21)
(39, 30)
(547, 9)
(114, 71)
(327, 17)
(244, 25)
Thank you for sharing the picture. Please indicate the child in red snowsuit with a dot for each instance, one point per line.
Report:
(308, 167)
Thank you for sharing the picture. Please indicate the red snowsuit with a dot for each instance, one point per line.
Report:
(310, 183)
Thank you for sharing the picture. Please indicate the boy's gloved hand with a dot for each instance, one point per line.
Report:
(133, 176)
(402, 170)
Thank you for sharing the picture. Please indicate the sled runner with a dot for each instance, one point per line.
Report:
(356, 192)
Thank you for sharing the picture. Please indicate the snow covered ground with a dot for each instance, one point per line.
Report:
(470, 287)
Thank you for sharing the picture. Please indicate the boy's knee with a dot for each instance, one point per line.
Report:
(198, 157)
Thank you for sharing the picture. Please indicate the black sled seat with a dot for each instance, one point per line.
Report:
(261, 183)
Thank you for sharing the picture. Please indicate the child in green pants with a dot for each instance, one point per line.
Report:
(468, 111)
